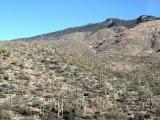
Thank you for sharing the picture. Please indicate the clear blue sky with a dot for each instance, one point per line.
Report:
(25, 18)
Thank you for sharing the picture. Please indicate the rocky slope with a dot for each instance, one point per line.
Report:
(103, 71)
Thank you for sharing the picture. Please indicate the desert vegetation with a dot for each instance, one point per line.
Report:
(42, 80)
(68, 80)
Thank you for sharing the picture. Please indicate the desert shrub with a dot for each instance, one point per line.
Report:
(156, 90)
(2, 95)
(6, 115)
(2, 51)
(36, 103)
(21, 65)
(24, 110)
(8, 67)
(139, 117)
(1, 70)
(6, 77)
(23, 77)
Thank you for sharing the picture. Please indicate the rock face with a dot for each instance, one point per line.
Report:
(142, 39)
(156, 42)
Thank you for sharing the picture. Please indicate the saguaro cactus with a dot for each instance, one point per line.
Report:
(62, 104)
(83, 106)
(58, 107)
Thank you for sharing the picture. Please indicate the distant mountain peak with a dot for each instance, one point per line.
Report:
(112, 19)
(146, 18)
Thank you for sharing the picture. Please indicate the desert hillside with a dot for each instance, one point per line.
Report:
(102, 71)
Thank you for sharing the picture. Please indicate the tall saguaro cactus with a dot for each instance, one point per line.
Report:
(83, 106)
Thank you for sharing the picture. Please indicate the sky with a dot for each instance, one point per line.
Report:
(26, 18)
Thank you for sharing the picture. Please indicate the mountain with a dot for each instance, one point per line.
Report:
(103, 71)
(109, 23)
(114, 35)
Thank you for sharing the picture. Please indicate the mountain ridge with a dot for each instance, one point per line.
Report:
(108, 23)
